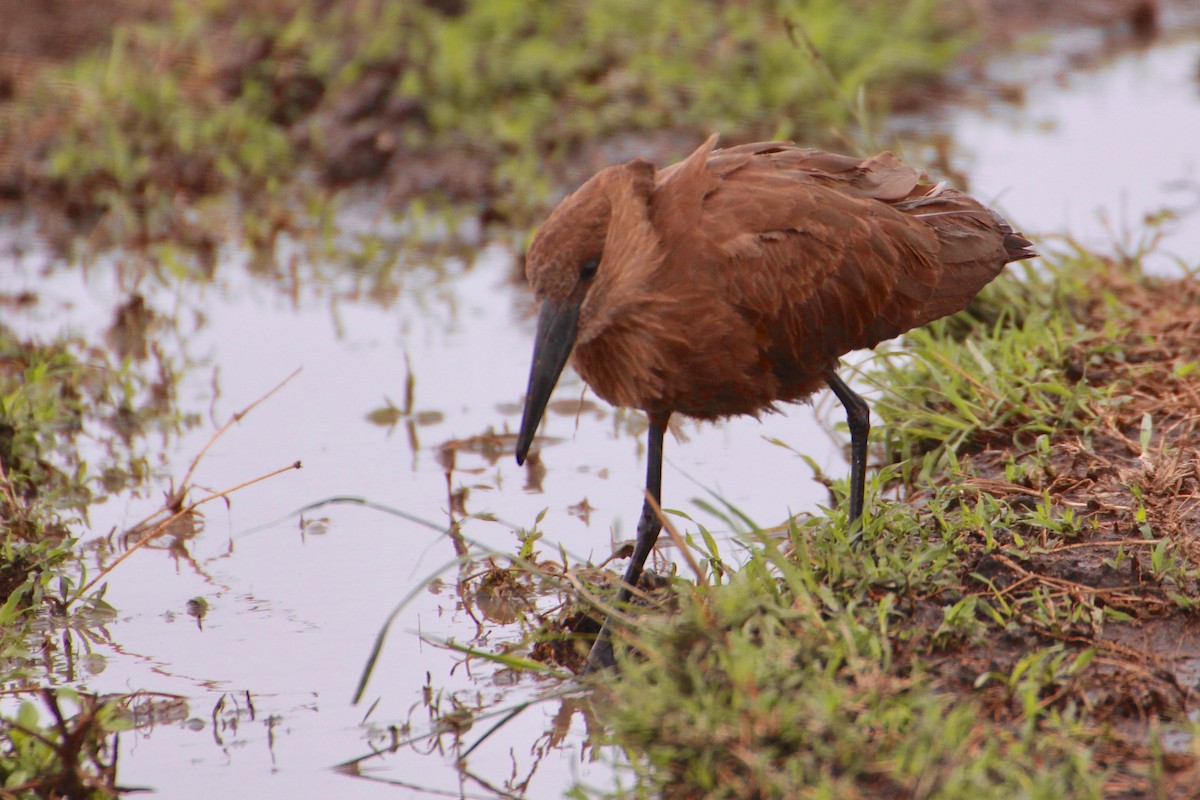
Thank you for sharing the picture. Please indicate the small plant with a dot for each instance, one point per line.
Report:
(71, 755)
(1038, 678)
(49, 398)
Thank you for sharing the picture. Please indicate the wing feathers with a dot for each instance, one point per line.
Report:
(826, 252)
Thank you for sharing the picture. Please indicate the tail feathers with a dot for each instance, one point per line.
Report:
(1016, 246)
(975, 263)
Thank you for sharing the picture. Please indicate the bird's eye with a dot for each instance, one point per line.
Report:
(588, 270)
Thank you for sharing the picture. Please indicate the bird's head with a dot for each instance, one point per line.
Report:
(588, 256)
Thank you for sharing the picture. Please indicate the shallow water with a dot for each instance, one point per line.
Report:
(1096, 153)
(296, 601)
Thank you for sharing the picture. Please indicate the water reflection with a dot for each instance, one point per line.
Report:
(462, 729)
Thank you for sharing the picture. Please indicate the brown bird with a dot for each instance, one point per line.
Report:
(734, 280)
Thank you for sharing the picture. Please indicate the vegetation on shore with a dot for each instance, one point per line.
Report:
(1014, 622)
(53, 397)
(484, 106)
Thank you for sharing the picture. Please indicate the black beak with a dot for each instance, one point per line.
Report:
(557, 325)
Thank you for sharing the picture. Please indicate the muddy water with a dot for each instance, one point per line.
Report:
(295, 600)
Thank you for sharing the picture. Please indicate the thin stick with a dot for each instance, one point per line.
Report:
(7, 486)
(237, 417)
(175, 500)
(1108, 543)
(684, 550)
(161, 527)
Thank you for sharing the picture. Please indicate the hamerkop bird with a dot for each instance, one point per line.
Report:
(735, 279)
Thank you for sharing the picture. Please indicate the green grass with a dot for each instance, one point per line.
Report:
(555, 75)
(47, 398)
(977, 642)
(252, 100)
(71, 755)
(951, 388)
(55, 395)
(780, 686)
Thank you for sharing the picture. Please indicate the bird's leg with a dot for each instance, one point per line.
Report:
(858, 417)
(649, 527)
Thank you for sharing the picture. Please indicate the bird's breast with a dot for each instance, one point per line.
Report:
(710, 364)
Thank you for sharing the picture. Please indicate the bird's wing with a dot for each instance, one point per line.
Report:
(833, 253)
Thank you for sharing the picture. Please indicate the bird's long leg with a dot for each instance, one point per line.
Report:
(858, 417)
(649, 527)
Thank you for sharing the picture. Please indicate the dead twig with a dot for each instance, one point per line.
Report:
(174, 505)
(165, 524)
(236, 418)
(174, 501)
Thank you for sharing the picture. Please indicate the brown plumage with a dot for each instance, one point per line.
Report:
(735, 279)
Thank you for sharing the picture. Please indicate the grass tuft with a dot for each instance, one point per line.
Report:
(1011, 625)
